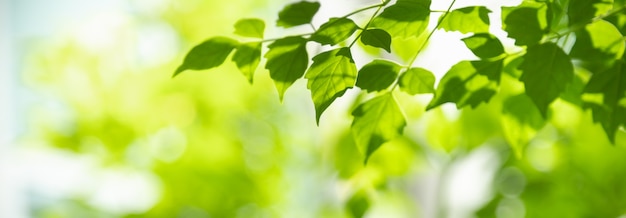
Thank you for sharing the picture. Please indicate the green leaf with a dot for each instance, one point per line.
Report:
(298, 13)
(377, 38)
(377, 121)
(287, 60)
(330, 75)
(208, 54)
(546, 71)
(247, 58)
(610, 112)
(377, 75)
(521, 121)
(524, 24)
(582, 11)
(484, 45)
(250, 27)
(417, 81)
(358, 204)
(598, 45)
(473, 19)
(468, 83)
(334, 31)
(405, 18)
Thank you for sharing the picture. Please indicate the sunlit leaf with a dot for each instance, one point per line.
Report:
(521, 121)
(525, 24)
(375, 122)
(546, 71)
(377, 38)
(247, 58)
(417, 81)
(334, 31)
(358, 204)
(250, 27)
(330, 75)
(473, 19)
(611, 84)
(298, 13)
(377, 75)
(599, 44)
(208, 54)
(406, 18)
(287, 60)
(582, 11)
(468, 83)
(484, 45)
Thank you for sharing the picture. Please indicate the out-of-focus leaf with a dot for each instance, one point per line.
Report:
(417, 81)
(208, 54)
(598, 45)
(377, 75)
(521, 121)
(376, 122)
(406, 18)
(358, 204)
(468, 83)
(377, 38)
(546, 71)
(298, 13)
(582, 11)
(247, 58)
(330, 75)
(484, 45)
(334, 31)
(287, 60)
(250, 27)
(473, 19)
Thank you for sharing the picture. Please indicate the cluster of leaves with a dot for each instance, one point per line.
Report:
(542, 29)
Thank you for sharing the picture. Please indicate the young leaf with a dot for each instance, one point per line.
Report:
(406, 18)
(468, 83)
(208, 54)
(375, 122)
(334, 31)
(377, 38)
(582, 11)
(250, 27)
(600, 43)
(298, 13)
(521, 121)
(247, 58)
(524, 24)
(465, 20)
(287, 60)
(417, 81)
(611, 111)
(330, 75)
(358, 204)
(484, 45)
(546, 71)
(377, 75)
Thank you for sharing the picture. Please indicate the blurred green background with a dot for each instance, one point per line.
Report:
(94, 126)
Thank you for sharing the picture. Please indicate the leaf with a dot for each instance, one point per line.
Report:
(377, 38)
(250, 27)
(417, 81)
(524, 24)
(610, 112)
(377, 75)
(298, 13)
(358, 204)
(521, 121)
(582, 11)
(598, 45)
(334, 31)
(376, 121)
(405, 18)
(206, 55)
(484, 45)
(473, 19)
(468, 83)
(330, 75)
(287, 60)
(546, 71)
(247, 58)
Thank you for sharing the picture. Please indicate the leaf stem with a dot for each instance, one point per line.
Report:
(366, 8)
(274, 39)
(366, 25)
